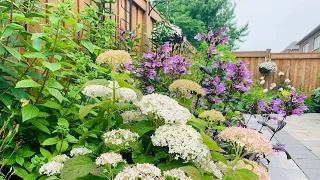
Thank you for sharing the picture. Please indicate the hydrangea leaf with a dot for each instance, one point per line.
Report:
(191, 171)
(212, 145)
(76, 167)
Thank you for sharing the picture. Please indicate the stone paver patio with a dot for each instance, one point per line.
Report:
(302, 139)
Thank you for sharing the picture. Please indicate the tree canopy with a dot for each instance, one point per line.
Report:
(194, 16)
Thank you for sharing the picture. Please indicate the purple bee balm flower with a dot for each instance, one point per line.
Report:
(261, 103)
(225, 40)
(199, 37)
(121, 29)
(210, 33)
(120, 38)
(166, 47)
(215, 64)
(150, 89)
(147, 56)
(211, 50)
(223, 31)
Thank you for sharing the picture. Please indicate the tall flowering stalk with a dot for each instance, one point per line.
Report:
(160, 68)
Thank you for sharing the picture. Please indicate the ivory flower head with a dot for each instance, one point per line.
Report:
(114, 58)
(186, 86)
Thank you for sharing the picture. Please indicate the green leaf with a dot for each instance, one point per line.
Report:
(37, 35)
(7, 32)
(191, 171)
(27, 83)
(37, 44)
(6, 99)
(29, 111)
(242, 174)
(35, 55)
(13, 52)
(8, 71)
(52, 66)
(51, 141)
(212, 145)
(51, 104)
(198, 124)
(32, 176)
(85, 110)
(142, 127)
(19, 93)
(71, 139)
(52, 83)
(88, 44)
(20, 172)
(40, 126)
(55, 93)
(78, 166)
(20, 160)
(45, 153)
(218, 157)
(28, 153)
(61, 146)
(63, 122)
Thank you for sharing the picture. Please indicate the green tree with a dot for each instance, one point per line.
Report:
(194, 16)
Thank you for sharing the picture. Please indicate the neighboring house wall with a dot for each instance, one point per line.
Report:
(290, 50)
(310, 40)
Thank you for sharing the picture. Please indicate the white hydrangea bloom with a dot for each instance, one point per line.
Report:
(120, 137)
(265, 91)
(126, 95)
(186, 143)
(287, 81)
(79, 151)
(176, 174)
(163, 107)
(130, 116)
(51, 168)
(116, 84)
(280, 89)
(140, 171)
(273, 85)
(109, 158)
(96, 91)
(60, 158)
(262, 82)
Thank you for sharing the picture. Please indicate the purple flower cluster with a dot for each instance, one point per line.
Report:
(155, 64)
(239, 75)
(213, 39)
(292, 104)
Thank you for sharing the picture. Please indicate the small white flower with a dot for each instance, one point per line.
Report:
(265, 91)
(262, 78)
(140, 171)
(96, 91)
(281, 73)
(109, 158)
(126, 95)
(120, 137)
(60, 158)
(287, 81)
(280, 89)
(130, 116)
(289, 86)
(262, 82)
(24, 102)
(79, 151)
(51, 168)
(163, 107)
(176, 174)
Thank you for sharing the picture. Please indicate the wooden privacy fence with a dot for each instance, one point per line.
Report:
(128, 14)
(303, 69)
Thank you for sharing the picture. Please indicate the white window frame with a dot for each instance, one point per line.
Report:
(305, 48)
(316, 43)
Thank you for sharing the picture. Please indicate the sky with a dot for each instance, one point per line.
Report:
(274, 24)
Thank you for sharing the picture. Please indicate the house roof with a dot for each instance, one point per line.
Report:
(292, 45)
(309, 35)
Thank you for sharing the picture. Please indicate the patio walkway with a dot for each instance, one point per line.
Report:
(302, 139)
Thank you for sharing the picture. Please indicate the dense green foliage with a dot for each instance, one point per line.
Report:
(194, 16)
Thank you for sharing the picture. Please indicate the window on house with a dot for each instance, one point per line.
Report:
(317, 43)
(305, 48)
